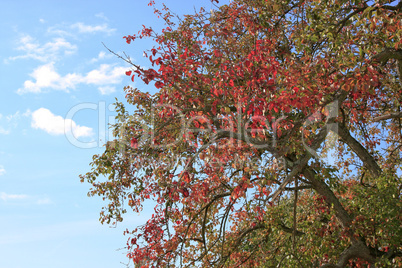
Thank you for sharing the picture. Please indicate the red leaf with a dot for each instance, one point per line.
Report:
(185, 192)
(159, 84)
(134, 143)
(128, 73)
(186, 177)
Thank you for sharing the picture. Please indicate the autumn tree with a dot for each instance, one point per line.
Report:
(274, 138)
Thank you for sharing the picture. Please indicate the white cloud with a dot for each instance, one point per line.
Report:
(46, 77)
(105, 75)
(49, 51)
(6, 197)
(31, 48)
(83, 28)
(2, 170)
(56, 125)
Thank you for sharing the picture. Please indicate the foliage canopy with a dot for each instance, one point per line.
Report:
(234, 148)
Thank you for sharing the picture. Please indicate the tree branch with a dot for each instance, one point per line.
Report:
(361, 152)
(357, 250)
(323, 189)
(290, 230)
(302, 187)
(387, 116)
(387, 54)
(394, 8)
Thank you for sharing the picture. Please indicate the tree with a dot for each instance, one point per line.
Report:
(234, 148)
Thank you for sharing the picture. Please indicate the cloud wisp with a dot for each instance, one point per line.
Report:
(101, 56)
(8, 197)
(37, 200)
(85, 28)
(45, 120)
(45, 77)
(50, 51)
(11, 121)
(2, 170)
(4, 131)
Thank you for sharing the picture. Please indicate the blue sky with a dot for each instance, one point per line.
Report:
(55, 72)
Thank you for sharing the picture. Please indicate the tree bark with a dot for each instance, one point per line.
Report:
(360, 151)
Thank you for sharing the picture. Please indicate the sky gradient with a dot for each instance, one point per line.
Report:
(57, 87)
